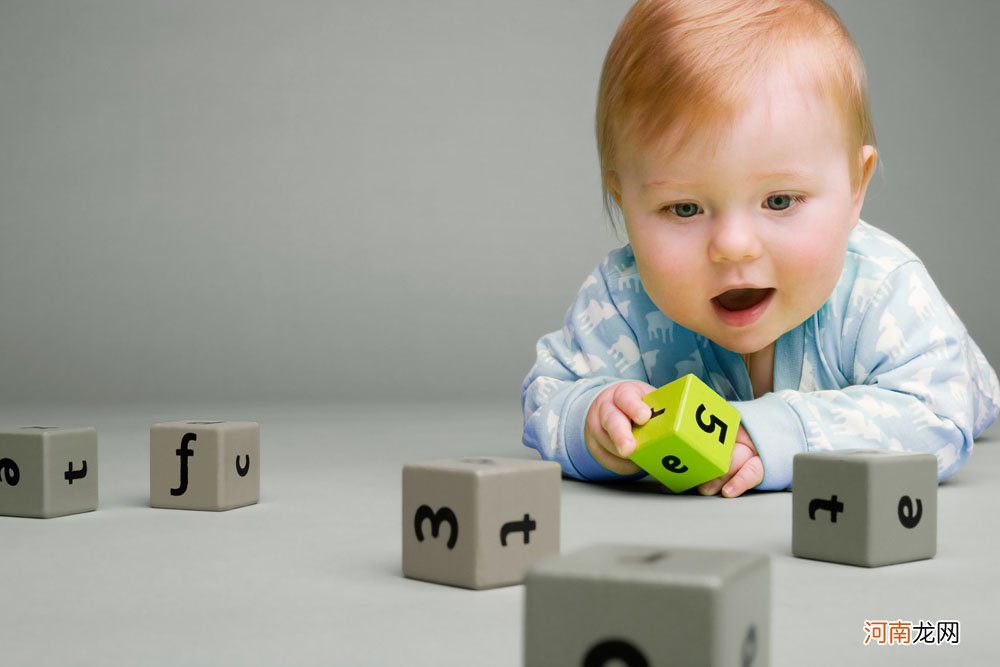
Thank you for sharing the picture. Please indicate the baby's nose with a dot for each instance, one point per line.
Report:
(734, 239)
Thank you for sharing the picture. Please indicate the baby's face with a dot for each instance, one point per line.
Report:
(742, 239)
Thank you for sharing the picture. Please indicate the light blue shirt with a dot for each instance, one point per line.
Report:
(884, 363)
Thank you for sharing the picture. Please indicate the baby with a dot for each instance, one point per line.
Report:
(735, 140)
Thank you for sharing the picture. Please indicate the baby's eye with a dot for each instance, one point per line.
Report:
(683, 210)
(782, 202)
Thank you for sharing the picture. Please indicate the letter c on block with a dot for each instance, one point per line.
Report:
(242, 470)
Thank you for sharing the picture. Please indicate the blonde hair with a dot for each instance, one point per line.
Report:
(679, 66)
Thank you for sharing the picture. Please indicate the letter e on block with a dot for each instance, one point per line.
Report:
(866, 507)
(690, 437)
(48, 471)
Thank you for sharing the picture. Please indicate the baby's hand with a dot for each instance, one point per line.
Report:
(608, 431)
(745, 471)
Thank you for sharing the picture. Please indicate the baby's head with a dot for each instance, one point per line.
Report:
(736, 139)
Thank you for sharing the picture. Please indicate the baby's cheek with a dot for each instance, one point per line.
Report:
(672, 283)
(813, 265)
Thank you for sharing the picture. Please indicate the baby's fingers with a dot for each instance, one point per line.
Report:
(741, 456)
(749, 476)
(628, 399)
(618, 427)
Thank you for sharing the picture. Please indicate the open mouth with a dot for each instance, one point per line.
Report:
(742, 299)
(742, 307)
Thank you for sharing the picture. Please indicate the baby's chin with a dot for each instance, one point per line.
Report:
(746, 348)
(741, 341)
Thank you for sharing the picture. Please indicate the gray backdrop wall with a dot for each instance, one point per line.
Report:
(323, 201)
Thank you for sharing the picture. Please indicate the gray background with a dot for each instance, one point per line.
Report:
(331, 201)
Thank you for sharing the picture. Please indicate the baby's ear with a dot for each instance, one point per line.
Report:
(613, 184)
(869, 158)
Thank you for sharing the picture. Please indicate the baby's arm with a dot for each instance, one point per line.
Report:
(913, 380)
(595, 349)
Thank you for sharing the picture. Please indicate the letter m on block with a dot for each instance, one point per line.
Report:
(443, 515)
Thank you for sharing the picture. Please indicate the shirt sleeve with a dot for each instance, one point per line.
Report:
(595, 348)
(917, 382)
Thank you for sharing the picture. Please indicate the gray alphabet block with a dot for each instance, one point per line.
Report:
(864, 506)
(642, 606)
(204, 465)
(479, 522)
(48, 471)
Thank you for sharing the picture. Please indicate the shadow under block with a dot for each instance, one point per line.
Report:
(204, 465)
(689, 440)
(479, 522)
(48, 471)
(646, 606)
(865, 507)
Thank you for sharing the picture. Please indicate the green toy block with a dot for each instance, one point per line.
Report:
(689, 439)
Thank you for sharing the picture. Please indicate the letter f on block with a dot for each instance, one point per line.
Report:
(184, 452)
